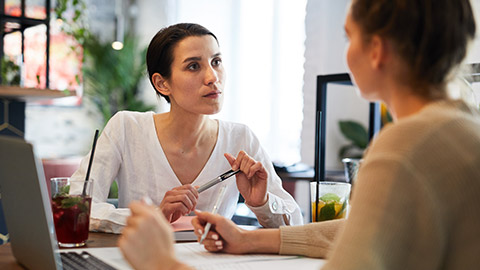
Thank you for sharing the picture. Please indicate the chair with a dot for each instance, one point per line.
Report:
(59, 167)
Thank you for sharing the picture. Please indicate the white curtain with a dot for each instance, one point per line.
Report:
(262, 43)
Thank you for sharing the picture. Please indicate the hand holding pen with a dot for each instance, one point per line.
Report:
(179, 201)
(252, 182)
(214, 211)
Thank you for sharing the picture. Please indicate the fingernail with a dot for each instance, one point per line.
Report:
(218, 243)
(215, 237)
(219, 247)
(200, 231)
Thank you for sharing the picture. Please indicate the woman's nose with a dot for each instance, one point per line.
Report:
(211, 76)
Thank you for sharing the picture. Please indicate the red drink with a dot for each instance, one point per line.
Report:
(71, 215)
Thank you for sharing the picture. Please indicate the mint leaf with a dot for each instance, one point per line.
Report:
(70, 201)
(63, 191)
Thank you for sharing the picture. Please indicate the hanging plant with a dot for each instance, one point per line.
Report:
(110, 77)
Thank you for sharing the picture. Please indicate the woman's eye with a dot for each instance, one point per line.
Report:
(216, 61)
(193, 66)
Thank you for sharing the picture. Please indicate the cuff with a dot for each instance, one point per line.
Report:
(105, 217)
(293, 240)
(312, 240)
(273, 213)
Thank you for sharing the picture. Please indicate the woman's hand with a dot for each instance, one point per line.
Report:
(224, 235)
(179, 201)
(147, 240)
(252, 182)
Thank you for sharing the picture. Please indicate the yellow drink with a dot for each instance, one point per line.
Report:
(328, 210)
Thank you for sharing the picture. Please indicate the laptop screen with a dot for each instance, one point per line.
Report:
(26, 205)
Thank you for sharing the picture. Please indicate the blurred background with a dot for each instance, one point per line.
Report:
(93, 53)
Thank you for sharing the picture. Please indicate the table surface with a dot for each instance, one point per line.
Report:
(8, 262)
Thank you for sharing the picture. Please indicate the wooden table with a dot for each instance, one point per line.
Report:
(8, 262)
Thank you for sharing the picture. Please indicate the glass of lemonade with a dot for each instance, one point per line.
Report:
(71, 210)
(332, 200)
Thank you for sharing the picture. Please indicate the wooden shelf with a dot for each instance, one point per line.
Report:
(32, 94)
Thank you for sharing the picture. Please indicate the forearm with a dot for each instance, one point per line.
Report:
(312, 240)
(262, 241)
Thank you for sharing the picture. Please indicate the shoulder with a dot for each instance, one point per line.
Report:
(235, 128)
(238, 137)
(442, 135)
(439, 123)
(128, 122)
(130, 118)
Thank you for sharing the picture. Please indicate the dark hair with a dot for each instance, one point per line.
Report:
(160, 51)
(431, 36)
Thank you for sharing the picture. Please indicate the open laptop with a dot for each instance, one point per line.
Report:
(29, 216)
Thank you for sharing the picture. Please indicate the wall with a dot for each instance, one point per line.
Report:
(324, 54)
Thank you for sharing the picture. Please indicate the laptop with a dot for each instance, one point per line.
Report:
(29, 216)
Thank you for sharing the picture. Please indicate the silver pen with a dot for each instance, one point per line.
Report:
(217, 180)
(214, 211)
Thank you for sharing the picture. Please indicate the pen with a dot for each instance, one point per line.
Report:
(214, 211)
(217, 180)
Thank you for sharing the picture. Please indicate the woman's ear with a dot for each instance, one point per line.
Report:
(160, 84)
(378, 51)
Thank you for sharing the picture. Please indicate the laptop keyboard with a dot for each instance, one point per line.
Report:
(84, 260)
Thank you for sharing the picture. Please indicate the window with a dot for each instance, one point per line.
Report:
(263, 47)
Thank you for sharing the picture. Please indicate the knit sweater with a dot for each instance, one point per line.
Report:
(415, 202)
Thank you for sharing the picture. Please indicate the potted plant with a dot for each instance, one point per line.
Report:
(357, 136)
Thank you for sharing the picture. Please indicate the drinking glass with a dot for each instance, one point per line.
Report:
(71, 203)
(351, 166)
(333, 200)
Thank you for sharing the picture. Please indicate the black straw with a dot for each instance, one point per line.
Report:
(90, 163)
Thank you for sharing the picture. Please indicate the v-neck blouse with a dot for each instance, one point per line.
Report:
(129, 152)
(210, 162)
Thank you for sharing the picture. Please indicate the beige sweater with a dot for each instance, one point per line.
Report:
(416, 201)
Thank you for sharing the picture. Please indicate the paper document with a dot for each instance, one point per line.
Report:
(196, 256)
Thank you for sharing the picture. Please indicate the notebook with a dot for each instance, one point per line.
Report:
(29, 216)
(183, 229)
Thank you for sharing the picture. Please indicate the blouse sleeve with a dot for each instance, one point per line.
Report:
(106, 164)
(281, 208)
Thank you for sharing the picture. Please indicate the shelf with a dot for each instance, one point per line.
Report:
(32, 94)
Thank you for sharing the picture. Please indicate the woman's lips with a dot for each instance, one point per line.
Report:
(213, 94)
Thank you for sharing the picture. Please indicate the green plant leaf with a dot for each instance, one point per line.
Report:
(71, 201)
(355, 132)
(113, 193)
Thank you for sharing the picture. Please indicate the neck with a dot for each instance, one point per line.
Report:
(186, 131)
(403, 103)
